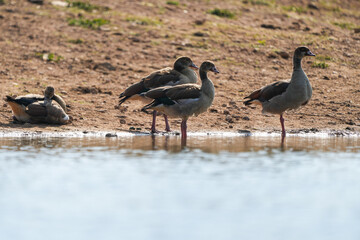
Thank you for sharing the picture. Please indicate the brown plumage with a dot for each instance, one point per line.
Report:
(281, 96)
(183, 101)
(268, 92)
(34, 109)
(181, 73)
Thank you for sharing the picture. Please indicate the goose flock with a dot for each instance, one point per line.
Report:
(173, 92)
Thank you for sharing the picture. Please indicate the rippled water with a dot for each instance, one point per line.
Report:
(215, 187)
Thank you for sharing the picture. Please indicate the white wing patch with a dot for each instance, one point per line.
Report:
(187, 101)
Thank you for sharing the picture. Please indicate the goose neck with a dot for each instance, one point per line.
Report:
(297, 63)
(203, 75)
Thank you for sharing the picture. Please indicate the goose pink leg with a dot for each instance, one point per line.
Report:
(167, 125)
(183, 129)
(283, 133)
(153, 128)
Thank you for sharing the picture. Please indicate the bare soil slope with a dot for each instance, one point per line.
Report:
(90, 65)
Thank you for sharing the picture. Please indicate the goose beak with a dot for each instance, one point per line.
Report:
(192, 65)
(309, 53)
(214, 70)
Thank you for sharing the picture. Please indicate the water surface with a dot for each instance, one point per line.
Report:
(215, 187)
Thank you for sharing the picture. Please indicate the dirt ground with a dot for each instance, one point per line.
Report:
(90, 67)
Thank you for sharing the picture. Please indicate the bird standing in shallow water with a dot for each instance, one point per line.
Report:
(183, 101)
(280, 96)
(181, 73)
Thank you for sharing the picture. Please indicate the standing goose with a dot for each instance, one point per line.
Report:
(183, 101)
(181, 73)
(35, 109)
(280, 96)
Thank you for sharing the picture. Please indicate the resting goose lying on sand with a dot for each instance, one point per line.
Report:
(280, 96)
(183, 101)
(181, 73)
(36, 109)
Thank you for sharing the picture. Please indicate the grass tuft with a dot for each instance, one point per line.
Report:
(76, 41)
(87, 6)
(175, 3)
(262, 42)
(222, 13)
(323, 58)
(258, 2)
(344, 25)
(143, 20)
(50, 57)
(322, 65)
(297, 9)
(88, 23)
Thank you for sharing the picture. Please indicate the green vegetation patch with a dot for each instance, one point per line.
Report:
(2, 2)
(88, 23)
(88, 7)
(222, 13)
(323, 58)
(50, 57)
(297, 9)
(76, 41)
(322, 65)
(262, 42)
(143, 20)
(175, 3)
(345, 25)
(258, 2)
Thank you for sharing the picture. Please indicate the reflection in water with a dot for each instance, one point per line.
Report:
(156, 187)
(208, 144)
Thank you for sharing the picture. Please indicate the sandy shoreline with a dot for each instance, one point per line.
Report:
(125, 134)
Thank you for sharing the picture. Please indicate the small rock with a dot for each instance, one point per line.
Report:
(131, 128)
(229, 119)
(313, 6)
(213, 110)
(60, 3)
(326, 78)
(226, 112)
(200, 21)
(122, 121)
(272, 55)
(244, 131)
(200, 34)
(104, 66)
(36, 1)
(283, 54)
(350, 122)
(269, 26)
(246, 118)
(110, 135)
(357, 30)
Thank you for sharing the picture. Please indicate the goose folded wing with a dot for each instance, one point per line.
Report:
(28, 100)
(272, 90)
(184, 91)
(161, 78)
(36, 110)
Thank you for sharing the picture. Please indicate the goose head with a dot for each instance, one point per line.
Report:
(301, 52)
(49, 92)
(208, 66)
(184, 62)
